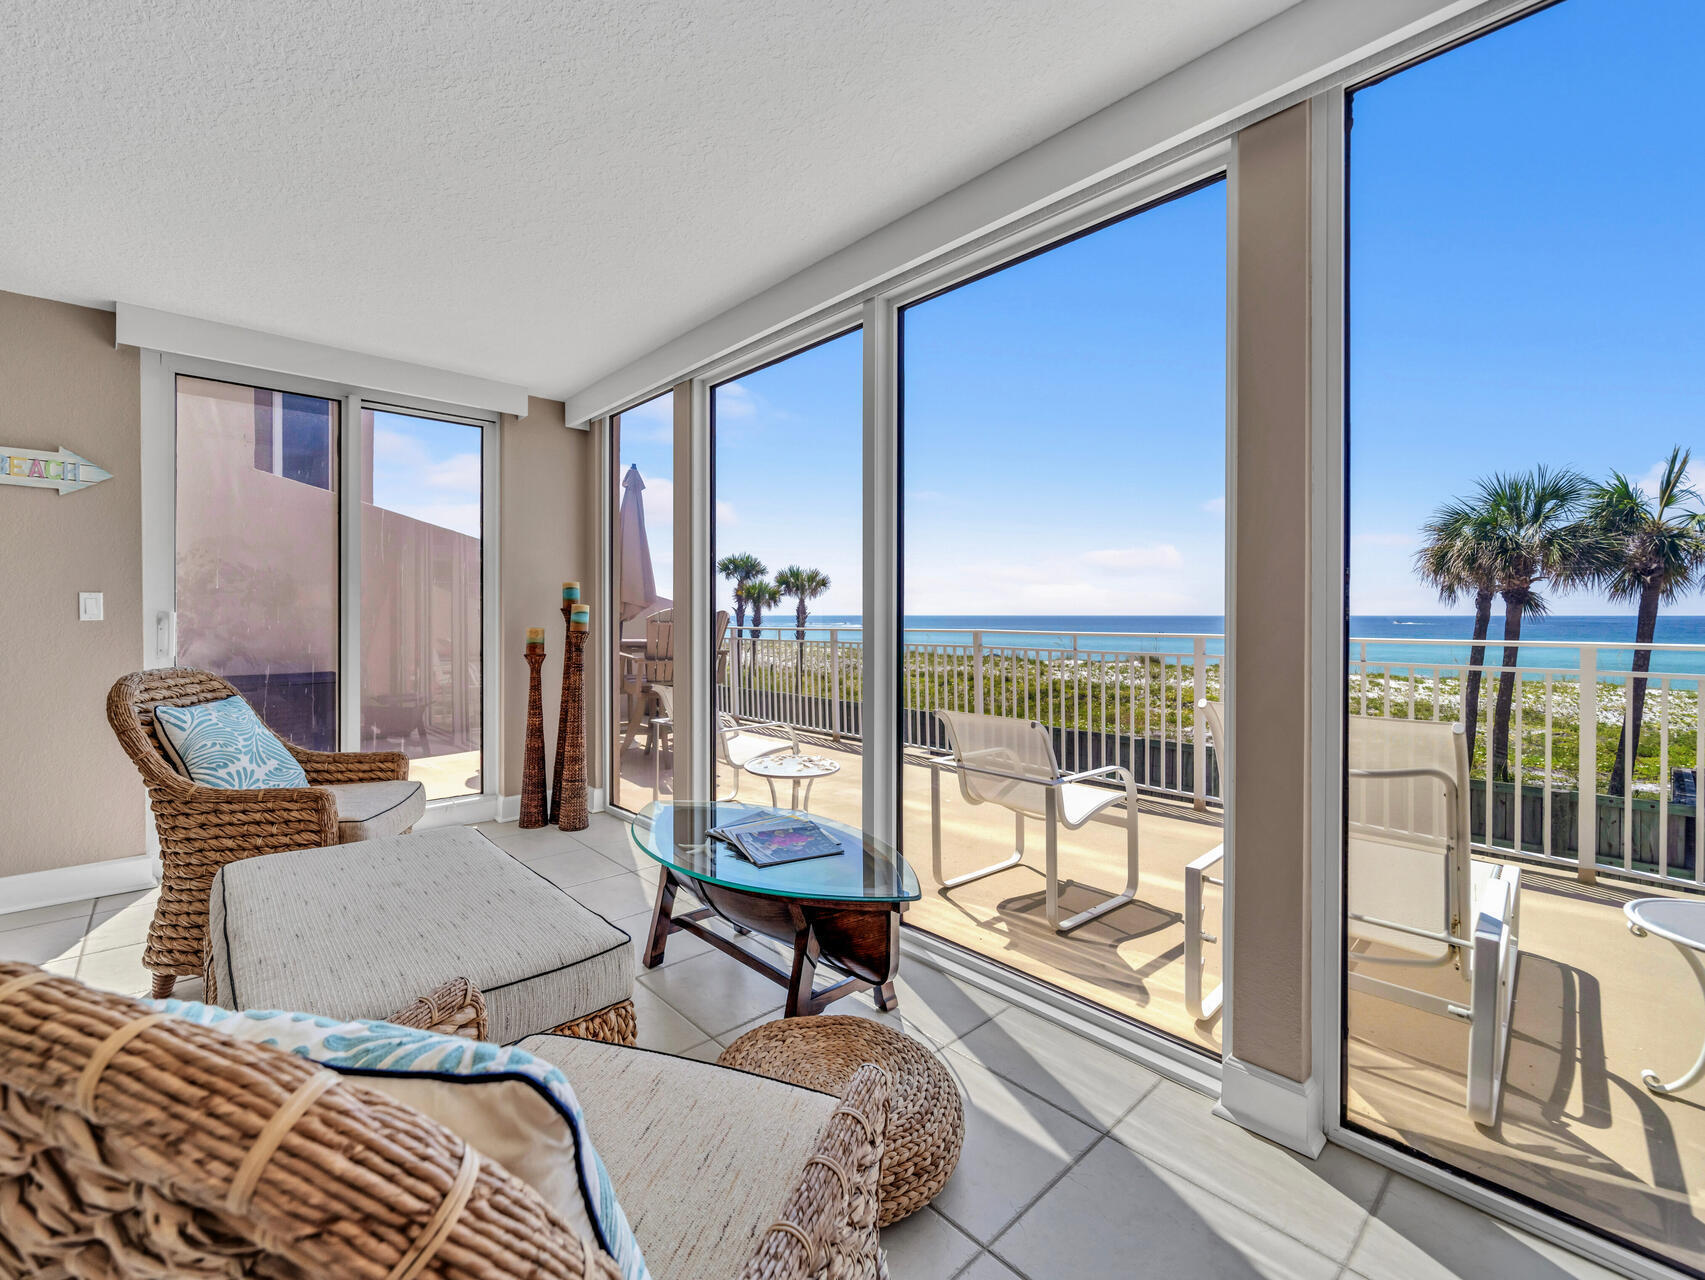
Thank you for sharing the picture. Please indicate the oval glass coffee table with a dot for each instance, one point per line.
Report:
(843, 910)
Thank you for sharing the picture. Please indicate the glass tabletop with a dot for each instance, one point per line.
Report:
(866, 870)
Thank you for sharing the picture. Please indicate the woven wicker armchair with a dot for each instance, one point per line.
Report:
(203, 828)
(132, 1146)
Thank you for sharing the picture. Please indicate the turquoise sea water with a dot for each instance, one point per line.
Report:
(1395, 639)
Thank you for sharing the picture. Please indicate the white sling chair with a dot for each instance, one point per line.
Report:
(1415, 898)
(739, 742)
(1203, 1006)
(1011, 763)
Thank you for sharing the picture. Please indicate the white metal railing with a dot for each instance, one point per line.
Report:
(1129, 698)
(1109, 697)
(1548, 804)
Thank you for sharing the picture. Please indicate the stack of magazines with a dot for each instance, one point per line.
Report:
(770, 839)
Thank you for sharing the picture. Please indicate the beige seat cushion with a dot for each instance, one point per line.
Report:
(369, 810)
(360, 930)
(701, 1156)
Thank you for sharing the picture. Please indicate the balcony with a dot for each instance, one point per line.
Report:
(1594, 1007)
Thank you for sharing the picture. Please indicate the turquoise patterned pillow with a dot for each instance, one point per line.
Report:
(224, 744)
(433, 1072)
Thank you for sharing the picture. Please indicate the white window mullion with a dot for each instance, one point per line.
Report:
(350, 471)
(881, 647)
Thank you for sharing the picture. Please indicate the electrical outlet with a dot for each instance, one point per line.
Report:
(91, 606)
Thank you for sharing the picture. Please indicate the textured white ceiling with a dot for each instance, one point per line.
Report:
(536, 191)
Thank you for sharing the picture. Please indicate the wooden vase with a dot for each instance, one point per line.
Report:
(533, 755)
(561, 728)
(570, 790)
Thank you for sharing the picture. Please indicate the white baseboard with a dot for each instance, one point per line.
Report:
(1277, 1108)
(74, 884)
(458, 812)
(509, 807)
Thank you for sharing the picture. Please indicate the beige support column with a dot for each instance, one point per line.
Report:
(1269, 1083)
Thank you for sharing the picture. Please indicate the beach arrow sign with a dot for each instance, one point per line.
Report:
(64, 470)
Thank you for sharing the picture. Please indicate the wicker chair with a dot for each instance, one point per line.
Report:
(203, 828)
(133, 1147)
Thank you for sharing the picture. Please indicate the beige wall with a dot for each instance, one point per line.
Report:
(1269, 1004)
(547, 538)
(69, 794)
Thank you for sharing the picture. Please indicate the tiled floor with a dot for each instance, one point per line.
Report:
(1077, 1161)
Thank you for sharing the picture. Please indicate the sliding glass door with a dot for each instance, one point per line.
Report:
(1063, 567)
(1524, 885)
(263, 557)
(787, 570)
(422, 674)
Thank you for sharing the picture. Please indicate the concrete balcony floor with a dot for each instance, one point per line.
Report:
(1594, 1004)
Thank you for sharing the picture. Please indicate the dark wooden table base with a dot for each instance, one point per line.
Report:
(862, 939)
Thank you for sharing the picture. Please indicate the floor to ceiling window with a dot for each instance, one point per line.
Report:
(421, 593)
(1526, 557)
(642, 574)
(788, 580)
(1063, 569)
(261, 561)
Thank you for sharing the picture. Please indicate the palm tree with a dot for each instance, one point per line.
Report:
(740, 569)
(804, 585)
(1652, 551)
(761, 594)
(1534, 539)
(1456, 560)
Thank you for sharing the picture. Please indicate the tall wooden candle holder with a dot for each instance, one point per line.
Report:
(533, 756)
(569, 798)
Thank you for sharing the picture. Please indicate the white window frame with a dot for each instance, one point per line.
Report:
(160, 372)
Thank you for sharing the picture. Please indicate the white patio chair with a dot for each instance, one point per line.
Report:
(1011, 763)
(1203, 1007)
(739, 742)
(1415, 897)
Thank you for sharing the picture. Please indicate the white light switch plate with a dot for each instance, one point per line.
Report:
(91, 606)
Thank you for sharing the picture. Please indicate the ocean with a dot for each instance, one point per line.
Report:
(1392, 639)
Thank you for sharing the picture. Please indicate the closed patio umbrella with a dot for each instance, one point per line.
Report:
(639, 581)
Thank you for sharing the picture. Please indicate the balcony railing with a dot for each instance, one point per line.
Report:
(1129, 698)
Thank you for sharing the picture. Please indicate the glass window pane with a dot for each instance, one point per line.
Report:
(1525, 349)
(1063, 454)
(422, 673)
(787, 564)
(257, 554)
(643, 570)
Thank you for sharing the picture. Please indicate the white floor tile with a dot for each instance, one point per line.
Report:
(117, 901)
(1321, 1202)
(925, 1246)
(708, 1051)
(125, 927)
(1420, 1234)
(120, 970)
(715, 991)
(39, 943)
(1090, 1081)
(940, 1008)
(682, 946)
(1112, 1216)
(572, 866)
(45, 915)
(662, 1027)
(985, 1266)
(1015, 1144)
(615, 896)
(729, 1037)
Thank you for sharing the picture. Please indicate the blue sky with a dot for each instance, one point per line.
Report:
(1527, 278)
(1526, 287)
(428, 469)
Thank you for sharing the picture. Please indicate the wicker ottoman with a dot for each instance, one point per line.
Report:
(926, 1125)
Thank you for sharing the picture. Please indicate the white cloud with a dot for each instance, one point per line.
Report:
(1651, 481)
(735, 402)
(652, 422)
(408, 480)
(1215, 506)
(725, 513)
(1160, 555)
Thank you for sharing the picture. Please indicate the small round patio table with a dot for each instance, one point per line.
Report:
(1680, 921)
(792, 768)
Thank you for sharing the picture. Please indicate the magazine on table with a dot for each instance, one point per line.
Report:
(770, 839)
